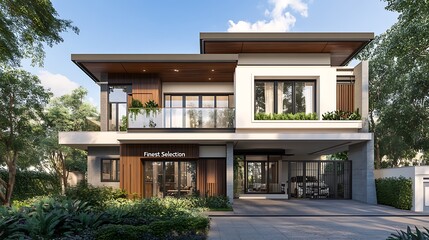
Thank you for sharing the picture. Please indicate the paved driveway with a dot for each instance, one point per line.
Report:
(310, 219)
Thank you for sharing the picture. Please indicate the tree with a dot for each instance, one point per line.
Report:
(22, 100)
(67, 113)
(25, 26)
(399, 84)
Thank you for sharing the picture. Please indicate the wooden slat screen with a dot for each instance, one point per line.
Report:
(211, 177)
(345, 96)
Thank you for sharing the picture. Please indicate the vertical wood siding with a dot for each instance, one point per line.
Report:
(345, 97)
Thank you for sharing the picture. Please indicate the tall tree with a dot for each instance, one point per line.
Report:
(399, 84)
(25, 26)
(22, 100)
(67, 113)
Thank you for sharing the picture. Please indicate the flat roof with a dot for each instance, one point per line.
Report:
(342, 46)
(170, 67)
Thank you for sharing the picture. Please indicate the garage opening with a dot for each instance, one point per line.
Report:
(319, 179)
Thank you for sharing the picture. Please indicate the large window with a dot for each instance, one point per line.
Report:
(199, 111)
(110, 170)
(118, 107)
(169, 178)
(285, 96)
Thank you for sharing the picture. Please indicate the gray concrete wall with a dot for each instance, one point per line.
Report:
(363, 183)
(95, 154)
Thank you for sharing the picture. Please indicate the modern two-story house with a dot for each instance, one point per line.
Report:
(250, 116)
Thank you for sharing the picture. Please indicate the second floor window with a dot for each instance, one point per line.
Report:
(285, 96)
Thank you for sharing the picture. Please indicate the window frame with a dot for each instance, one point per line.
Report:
(118, 170)
(275, 94)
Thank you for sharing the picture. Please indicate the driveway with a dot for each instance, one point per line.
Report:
(310, 219)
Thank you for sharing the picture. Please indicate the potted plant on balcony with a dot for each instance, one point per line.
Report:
(151, 108)
(135, 107)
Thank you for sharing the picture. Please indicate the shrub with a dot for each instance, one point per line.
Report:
(217, 202)
(94, 196)
(342, 115)
(31, 183)
(286, 116)
(395, 192)
(409, 234)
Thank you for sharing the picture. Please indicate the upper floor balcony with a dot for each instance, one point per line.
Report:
(181, 118)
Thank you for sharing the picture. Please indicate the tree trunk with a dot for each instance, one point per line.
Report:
(64, 177)
(11, 165)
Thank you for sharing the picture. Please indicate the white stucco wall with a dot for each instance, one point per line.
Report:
(417, 175)
(250, 67)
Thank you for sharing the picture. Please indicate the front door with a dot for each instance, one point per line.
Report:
(257, 177)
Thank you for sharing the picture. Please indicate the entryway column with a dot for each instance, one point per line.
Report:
(230, 171)
(104, 104)
(363, 183)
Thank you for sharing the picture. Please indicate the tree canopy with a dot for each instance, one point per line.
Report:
(399, 84)
(25, 26)
(22, 102)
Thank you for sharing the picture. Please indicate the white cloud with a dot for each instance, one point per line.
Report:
(57, 83)
(279, 20)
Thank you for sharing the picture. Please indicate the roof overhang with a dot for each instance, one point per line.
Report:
(170, 67)
(341, 46)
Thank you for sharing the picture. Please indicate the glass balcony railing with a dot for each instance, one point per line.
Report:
(139, 118)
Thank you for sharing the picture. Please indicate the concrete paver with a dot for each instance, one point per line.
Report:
(326, 219)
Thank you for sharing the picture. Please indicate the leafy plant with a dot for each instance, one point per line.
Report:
(410, 235)
(395, 192)
(286, 116)
(342, 115)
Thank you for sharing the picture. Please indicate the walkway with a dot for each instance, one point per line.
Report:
(310, 219)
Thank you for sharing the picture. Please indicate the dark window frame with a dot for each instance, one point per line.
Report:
(275, 89)
(118, 170)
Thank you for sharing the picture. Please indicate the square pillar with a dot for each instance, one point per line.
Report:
(104, 106)
(363, 181)
(230, 171)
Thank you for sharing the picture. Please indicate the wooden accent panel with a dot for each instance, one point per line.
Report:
(345, 97)
(211, 177)
(145, 87)
(131, 178)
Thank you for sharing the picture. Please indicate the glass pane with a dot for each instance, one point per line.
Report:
(192, 101)
(188, 178)
(256, 177)
(208, 101)
(193, 118)
(238, 175)
(273, 178)
(231, 103)
(113, 117)
(118, 94)
(172, 178)
(264, 97)
(167, 100)
(208, 117)
(106, 170)
(304, 97)
(222, 101)
(284, 97)
(122, 120)
(153, 179)
(176, 102)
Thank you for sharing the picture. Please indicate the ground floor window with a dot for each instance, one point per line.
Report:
(110, 170)
(169, 178)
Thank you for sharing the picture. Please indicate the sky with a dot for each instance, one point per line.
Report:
(173, 26)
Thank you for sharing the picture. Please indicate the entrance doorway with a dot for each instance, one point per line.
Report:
(262, 174)
(169, 178)
(319, 179)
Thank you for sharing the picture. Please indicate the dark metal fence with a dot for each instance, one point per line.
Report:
(319, 179)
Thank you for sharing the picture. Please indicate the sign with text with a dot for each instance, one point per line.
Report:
(167, 154)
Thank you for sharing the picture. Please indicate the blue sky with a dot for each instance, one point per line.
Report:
(173, 26)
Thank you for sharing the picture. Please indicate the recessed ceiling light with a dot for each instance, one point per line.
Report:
(210, 78)
(176, 70)
(144, 70)
(213, 70)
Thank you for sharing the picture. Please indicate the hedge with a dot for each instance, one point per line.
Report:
(29, 184)
(395, 192)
